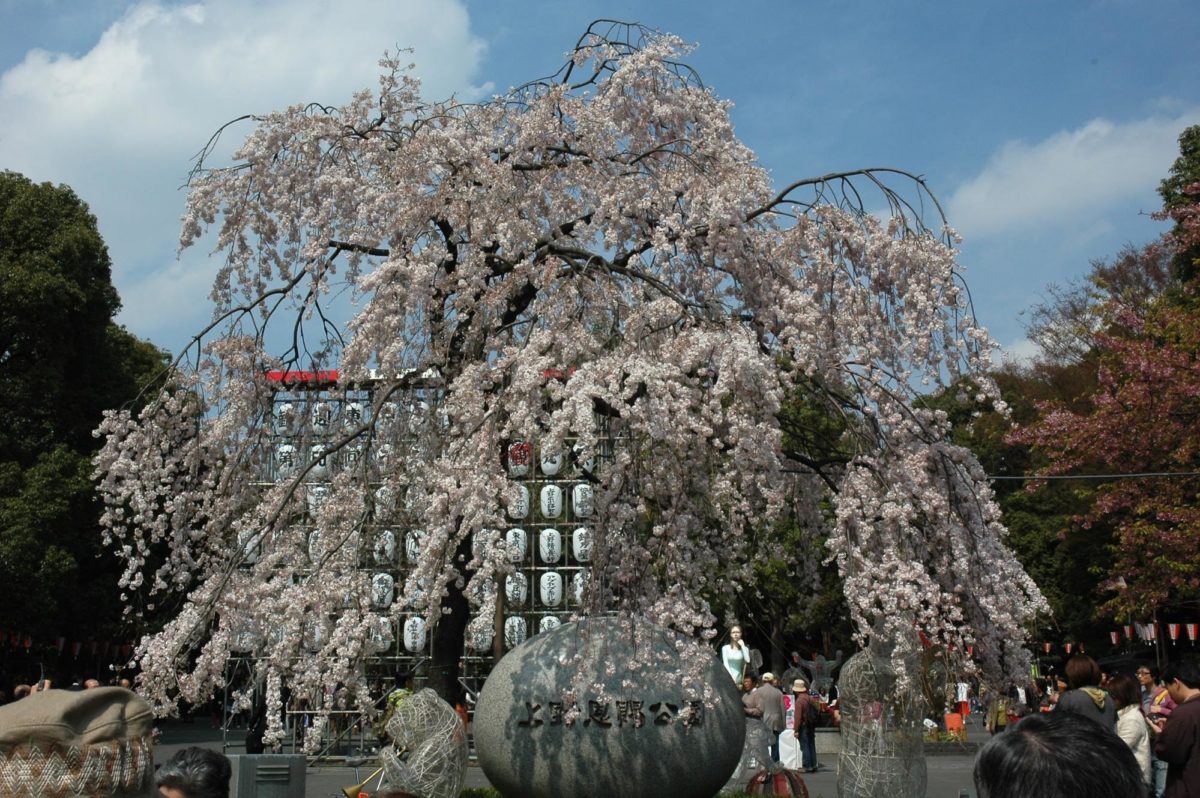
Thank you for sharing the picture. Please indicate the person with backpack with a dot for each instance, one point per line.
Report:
(804, 724)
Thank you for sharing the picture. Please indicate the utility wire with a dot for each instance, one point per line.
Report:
(1136, 475)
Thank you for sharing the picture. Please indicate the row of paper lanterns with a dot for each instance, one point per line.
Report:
(1148, 632)
(321, 416)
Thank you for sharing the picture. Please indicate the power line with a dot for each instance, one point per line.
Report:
(1134, 475)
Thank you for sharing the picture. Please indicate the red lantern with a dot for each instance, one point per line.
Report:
(28, 643)
(1046, 647)
(1128, 631)
(61, 643)
(1068, 647)
(1115, 637)
(1173, 631)
(75, 649)
(1191, 632)
(1154, 630)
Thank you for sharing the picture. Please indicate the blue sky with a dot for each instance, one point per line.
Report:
(1043, 127)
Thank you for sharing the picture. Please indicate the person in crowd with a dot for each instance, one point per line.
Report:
(1131, 724)
(1084, 696)
(749, 685)
(996, 718)
(769, 699)
(1178, 742)
(735, 655)
(194, 773)
(20, 691)
(91, 684)
(804, 726)
(1156, 703)
(795, 670)
(1057, 755)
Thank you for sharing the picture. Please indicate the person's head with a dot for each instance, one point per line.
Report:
(1181, 678)
(21, 690)
(1082, 671)
(1125, 690)
(747, 683)
(1147, 676)
(735, 633)
(194, 773)
(1057, 755)
(795, 657)
(91, 684)
(799, 686)
(768, 678)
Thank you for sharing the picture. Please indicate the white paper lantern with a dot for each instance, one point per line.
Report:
(385, 547)
(514, 632)
(321, 418)
(320, 462)
(519, 508)
(284, 422)
(316, 633)
(380, 637)
(414, 541)
(285, 460)
(383, 590)
(517, 458)
(584, 459)
(549, 622)
(581, 544)
(244, 633)
(550, 588)
(517, 543)
(384, 454)
(248, 545)
(516, 589)
(315, 497)
(316, 546)
(551, 501)
(353, 414)
(550, 545)
(550, 462)
(414, 634)
(581, 500)
(479, 641)
(579, 583)
(352, 455)
(385, 502)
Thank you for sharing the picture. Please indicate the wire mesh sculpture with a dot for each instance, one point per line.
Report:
(882, 746)
(428, 753)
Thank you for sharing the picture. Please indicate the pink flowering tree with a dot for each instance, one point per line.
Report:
(591, 256)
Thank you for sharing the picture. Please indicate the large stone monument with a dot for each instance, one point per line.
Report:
(578, 711)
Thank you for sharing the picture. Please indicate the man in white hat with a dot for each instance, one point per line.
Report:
(804, 724)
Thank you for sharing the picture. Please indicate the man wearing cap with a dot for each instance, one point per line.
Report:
(769, 699)
(802, 726)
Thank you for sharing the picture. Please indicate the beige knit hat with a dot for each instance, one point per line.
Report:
(68, 744)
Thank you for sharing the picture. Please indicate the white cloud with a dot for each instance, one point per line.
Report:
(121, 122)
(1021, 352)
(1068, 175)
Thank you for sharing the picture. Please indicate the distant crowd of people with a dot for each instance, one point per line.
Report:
(1101, 735)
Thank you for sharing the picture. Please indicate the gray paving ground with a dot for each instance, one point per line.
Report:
(949, 775)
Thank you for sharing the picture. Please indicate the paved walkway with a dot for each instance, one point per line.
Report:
(948, 775)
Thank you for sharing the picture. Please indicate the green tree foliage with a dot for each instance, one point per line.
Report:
(1180, 192)
(62, 362)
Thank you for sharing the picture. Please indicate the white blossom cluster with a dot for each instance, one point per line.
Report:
(596, 246)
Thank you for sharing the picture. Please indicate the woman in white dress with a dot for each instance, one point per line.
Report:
(735, 656)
